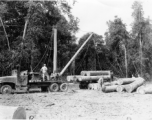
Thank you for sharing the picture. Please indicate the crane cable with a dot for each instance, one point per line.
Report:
(44, 54)
(97, 54)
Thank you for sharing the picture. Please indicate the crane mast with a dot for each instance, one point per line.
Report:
(74, 56)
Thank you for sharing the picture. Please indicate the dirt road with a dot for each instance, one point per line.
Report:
(83, 104)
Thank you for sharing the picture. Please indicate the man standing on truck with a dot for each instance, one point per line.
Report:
(44, 72)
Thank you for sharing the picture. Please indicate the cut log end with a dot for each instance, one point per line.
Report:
(119, 89)
(141, 91)
(128, 88)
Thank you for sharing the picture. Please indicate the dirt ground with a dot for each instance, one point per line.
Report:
(83, 105)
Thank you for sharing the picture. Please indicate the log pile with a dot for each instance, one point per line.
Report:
(134, 85)
(125, 85)
(90, 76)
(95, 73)
(97, 80)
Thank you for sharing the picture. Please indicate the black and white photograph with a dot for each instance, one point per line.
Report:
(76, 59)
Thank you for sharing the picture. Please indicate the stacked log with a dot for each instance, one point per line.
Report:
(123, 84)
(9, 112)
(95, 73)
(83, 78)
(134, 85)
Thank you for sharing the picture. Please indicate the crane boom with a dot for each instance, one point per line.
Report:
(75, 55)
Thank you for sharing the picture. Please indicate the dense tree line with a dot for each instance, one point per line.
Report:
(126, 53)
(30, 47)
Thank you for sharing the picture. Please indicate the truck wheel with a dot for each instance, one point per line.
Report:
(6, 89)
(54, 87)
(63, 87)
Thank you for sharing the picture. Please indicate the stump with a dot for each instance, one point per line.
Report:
(9, 112)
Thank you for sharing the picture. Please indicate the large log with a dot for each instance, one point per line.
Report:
(134, 85)
(109, 88)
(84, 78)
(96, 73)
(10, 112)
(124, 81)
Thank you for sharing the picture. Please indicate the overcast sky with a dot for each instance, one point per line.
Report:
(94, 14)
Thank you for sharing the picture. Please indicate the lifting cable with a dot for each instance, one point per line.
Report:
(98, 60)
(44, 54)
(135, 68)
(97, 54)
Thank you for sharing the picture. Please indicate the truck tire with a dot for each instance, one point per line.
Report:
(54, 87)
(64, 87)
(6, 89)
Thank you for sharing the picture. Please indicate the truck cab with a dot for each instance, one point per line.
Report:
(24, 81)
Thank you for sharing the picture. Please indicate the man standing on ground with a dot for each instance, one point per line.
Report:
(44, 72)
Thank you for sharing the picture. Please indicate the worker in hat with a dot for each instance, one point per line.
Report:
(44, 72)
